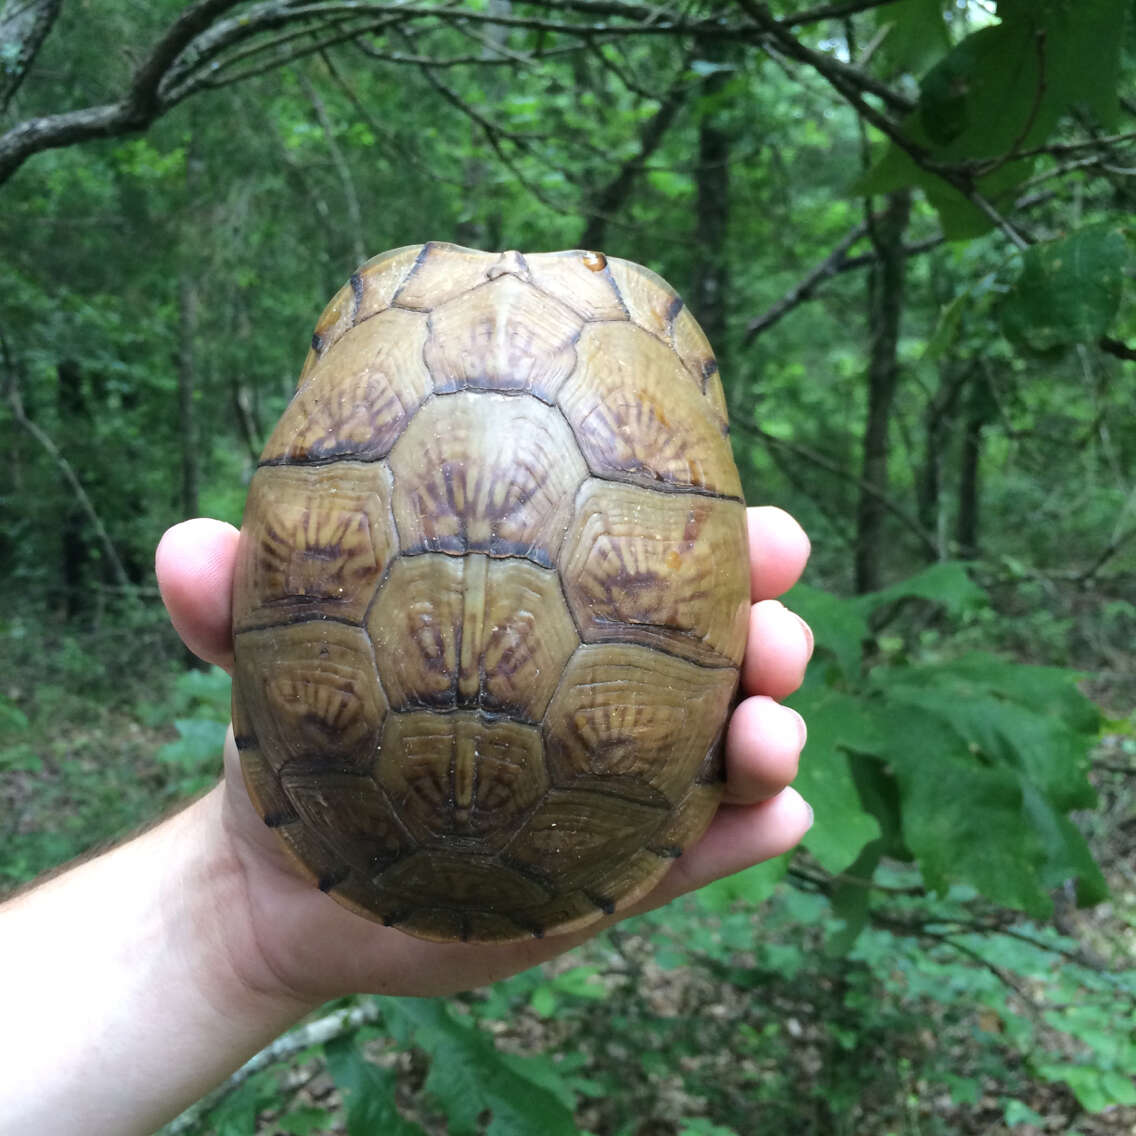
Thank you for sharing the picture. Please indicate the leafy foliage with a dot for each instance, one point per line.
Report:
(156, 294)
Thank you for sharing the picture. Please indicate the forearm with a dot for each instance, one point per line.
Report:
(126, 991)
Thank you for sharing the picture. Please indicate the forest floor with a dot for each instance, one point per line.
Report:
(78, 768)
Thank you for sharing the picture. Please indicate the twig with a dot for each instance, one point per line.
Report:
(1116, 347)
(805, 287)
(16, 403)
(810, 455)
(831, 12)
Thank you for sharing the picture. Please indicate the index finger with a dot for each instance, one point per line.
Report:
(778, 552)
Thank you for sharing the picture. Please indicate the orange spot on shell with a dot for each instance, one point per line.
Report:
(596, 261)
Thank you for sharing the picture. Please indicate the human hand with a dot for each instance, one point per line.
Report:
(293, 940)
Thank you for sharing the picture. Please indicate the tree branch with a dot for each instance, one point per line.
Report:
(135, 111)
(16, 403)
(811, 456)
(24, 25)
(807, 285)
(613, 195)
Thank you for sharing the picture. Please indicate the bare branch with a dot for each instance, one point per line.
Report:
(86, 505)
(831, 12)
(819, 460)
(1117, 347)
(138, 108)
(24, 25)
(651, 134)
(804, 288)
(341, 1023)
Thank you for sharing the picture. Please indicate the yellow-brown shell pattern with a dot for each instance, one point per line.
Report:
(492, 593)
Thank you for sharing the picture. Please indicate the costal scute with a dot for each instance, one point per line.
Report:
(492, 593)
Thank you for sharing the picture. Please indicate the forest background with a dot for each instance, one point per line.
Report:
(907, 229)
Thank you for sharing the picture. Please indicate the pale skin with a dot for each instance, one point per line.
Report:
(140, 979)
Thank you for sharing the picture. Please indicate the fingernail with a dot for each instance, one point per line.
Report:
(802, 728)
(812, 815)
(809, 641)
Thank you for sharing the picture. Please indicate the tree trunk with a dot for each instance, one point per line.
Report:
(938, 423)
(885, 289)
(712, 179)
(74, 550)
(979, 409)
(187, 383)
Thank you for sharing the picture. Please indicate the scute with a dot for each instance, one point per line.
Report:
(479, 472)
(492, 594)
(652, 568)
(638, 418)
(315, 543)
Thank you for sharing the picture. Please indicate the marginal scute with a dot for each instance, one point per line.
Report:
(576, 833)
(358, 396)
(688, 821)
(486, 473)
(566, 276)
(460, 880)
(335, 319)
(264, 788)
(625, 714)
(441, 272)
(651, 302)
(471, 632)
(659, 569)
(693, 348)
(461, 779)
(348, 812)
(638, 418)
(503, 335)
(315, 543)
(311, 695)
(377, 280)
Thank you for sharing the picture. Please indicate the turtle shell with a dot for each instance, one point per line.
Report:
(492, 593)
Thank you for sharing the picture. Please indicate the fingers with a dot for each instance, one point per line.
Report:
(777, 650)
(194, 564)
(778, 551)
(739, 837)
(763, 746)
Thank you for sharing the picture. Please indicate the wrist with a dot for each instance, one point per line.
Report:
(132, 984)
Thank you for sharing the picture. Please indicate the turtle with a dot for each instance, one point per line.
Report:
(492, 593)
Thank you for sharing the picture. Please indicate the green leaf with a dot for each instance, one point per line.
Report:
(962, 820)
(1068, 291)
(469, 1077)
(947, 584)
(1094, 1089)
(1082, 48)
(1042, 60)
(1016, 1112)
(199, 744)
(837, 723)
(839, 625)
(753, 886)
(368, 1092)
(915, 34)
(1006, 714)
(850, 900)
(544, 1001)
(305, 1120)
(12, 719)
